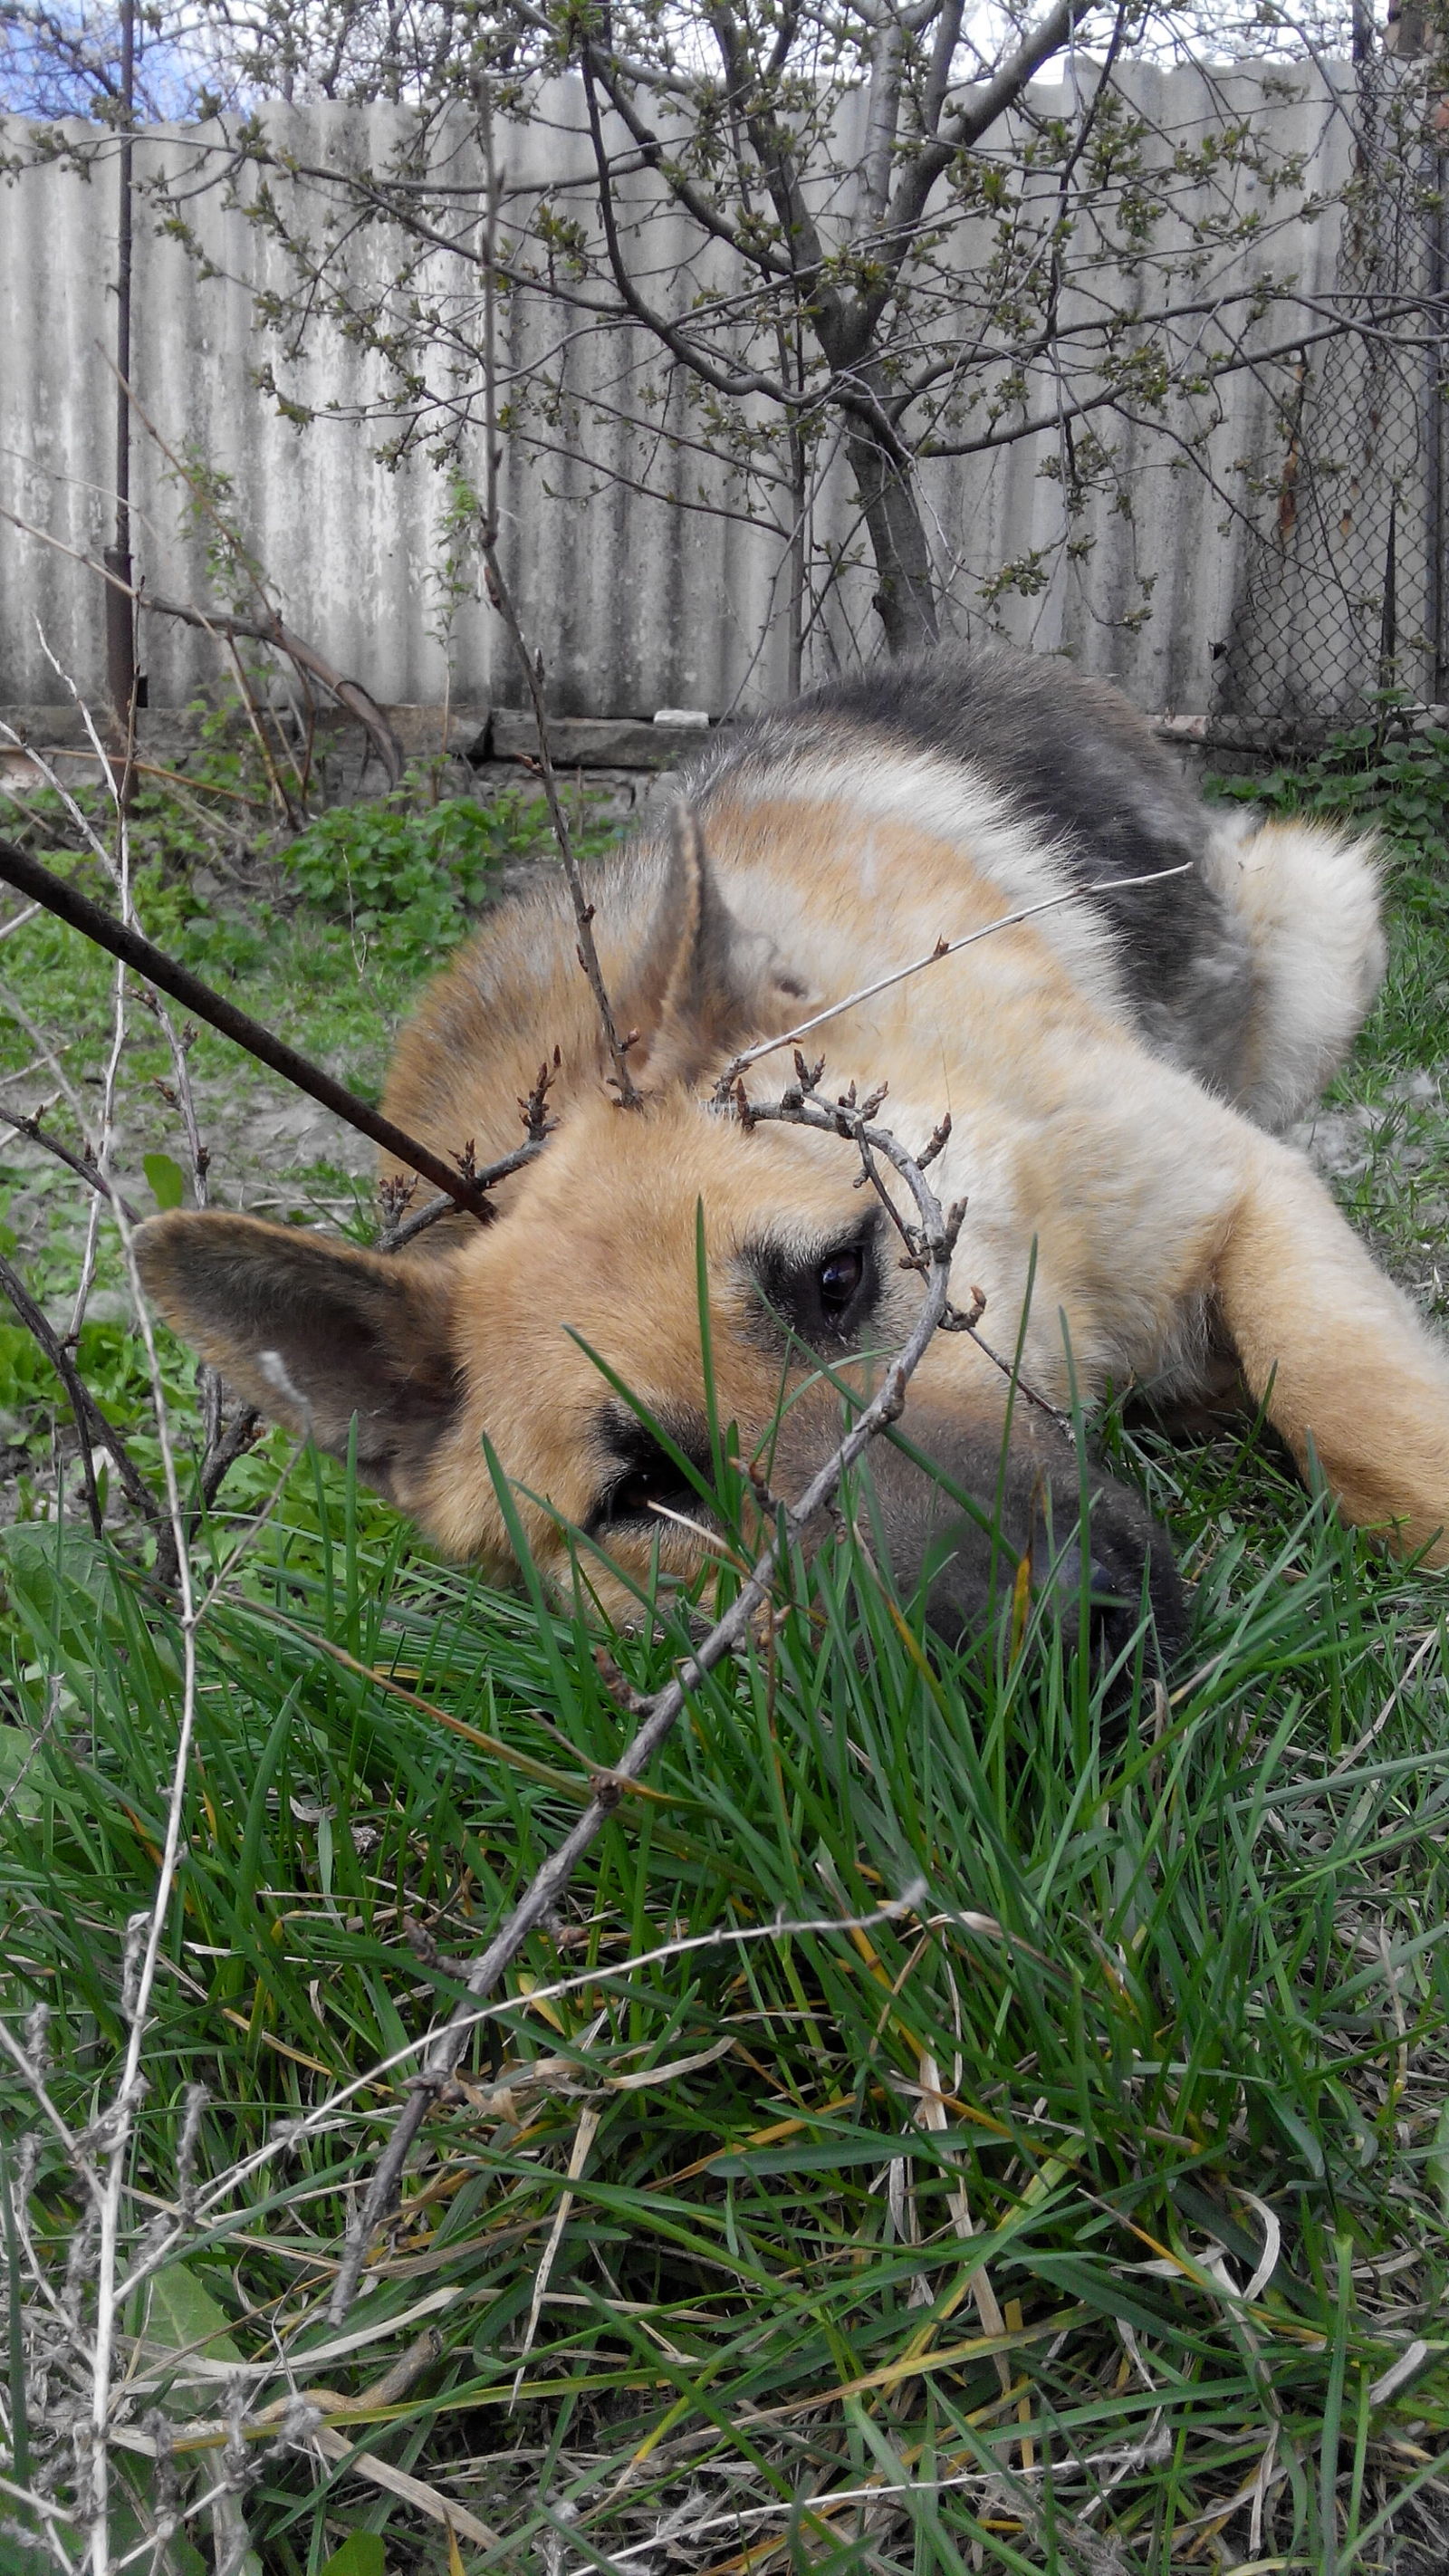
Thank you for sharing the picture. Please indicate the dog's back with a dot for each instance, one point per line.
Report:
(1251, 964)
(850, 831)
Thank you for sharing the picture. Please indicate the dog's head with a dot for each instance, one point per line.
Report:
(661, 1280)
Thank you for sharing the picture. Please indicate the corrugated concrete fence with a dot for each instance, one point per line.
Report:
(637, 605)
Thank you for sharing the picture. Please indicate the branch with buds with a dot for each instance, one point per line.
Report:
(396, 1195)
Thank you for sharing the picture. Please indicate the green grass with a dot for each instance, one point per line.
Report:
(1175, 1973)
(916, 2247)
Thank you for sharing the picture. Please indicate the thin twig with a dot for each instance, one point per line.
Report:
(373, 721)
(325, 2117)
(538, 1127)
(275, 780)
(1433, 1637)
(181, 1096)
(26, 874)
(835, 1118)
(269, 629)
(217, 1456)
(87, 1172)
(178, 1043)
(935, 1244)
(118, 867)
(933, 957)
(111, 2135)
(88, 1414)
(531, 664)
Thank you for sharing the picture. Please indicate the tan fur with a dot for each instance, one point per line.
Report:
(1150, 1205)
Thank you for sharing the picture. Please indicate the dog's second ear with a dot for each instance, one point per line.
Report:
(314, 1333)
(705, 984)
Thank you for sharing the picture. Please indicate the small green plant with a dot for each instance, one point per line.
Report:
(1370, 773)
(407, 881)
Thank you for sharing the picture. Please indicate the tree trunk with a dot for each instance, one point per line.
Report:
(905, 598)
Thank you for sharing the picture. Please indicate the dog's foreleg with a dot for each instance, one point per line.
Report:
(1348, 1370)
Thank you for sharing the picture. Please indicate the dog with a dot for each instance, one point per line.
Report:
(1119, 1067)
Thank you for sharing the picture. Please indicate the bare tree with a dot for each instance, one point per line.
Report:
(114, 64)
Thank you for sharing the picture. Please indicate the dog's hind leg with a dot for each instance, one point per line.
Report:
(1308, 897)
(1348, 1370)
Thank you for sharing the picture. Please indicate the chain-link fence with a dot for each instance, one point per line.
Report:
(1345, 595)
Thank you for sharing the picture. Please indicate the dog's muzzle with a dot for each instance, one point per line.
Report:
(997, 1527)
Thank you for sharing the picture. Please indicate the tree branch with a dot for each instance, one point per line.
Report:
(261, 630)
(774, 149)
(775, 263)
(1003, 91)
(76, 1163)
(957, 134)
(734, 381)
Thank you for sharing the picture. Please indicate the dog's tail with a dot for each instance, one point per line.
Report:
(1308, 896)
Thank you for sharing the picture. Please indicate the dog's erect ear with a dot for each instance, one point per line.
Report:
(705, 983)
(314, 1333)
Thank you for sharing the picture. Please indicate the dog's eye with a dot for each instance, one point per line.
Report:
(826, 1299)
(840, 1278)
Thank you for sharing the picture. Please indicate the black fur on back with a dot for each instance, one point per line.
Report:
(1071, 755)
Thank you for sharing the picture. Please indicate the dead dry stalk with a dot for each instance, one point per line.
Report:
(531, 663)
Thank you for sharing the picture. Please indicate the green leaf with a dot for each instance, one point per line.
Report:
(22, 1769)
(184, 2318)
(361, 2554)
(1301, 2135)
(832, 2155)
(167, 1180)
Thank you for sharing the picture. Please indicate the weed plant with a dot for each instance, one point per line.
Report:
(964, 2114)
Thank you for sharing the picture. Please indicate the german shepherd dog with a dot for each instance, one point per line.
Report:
(1118, 1070)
